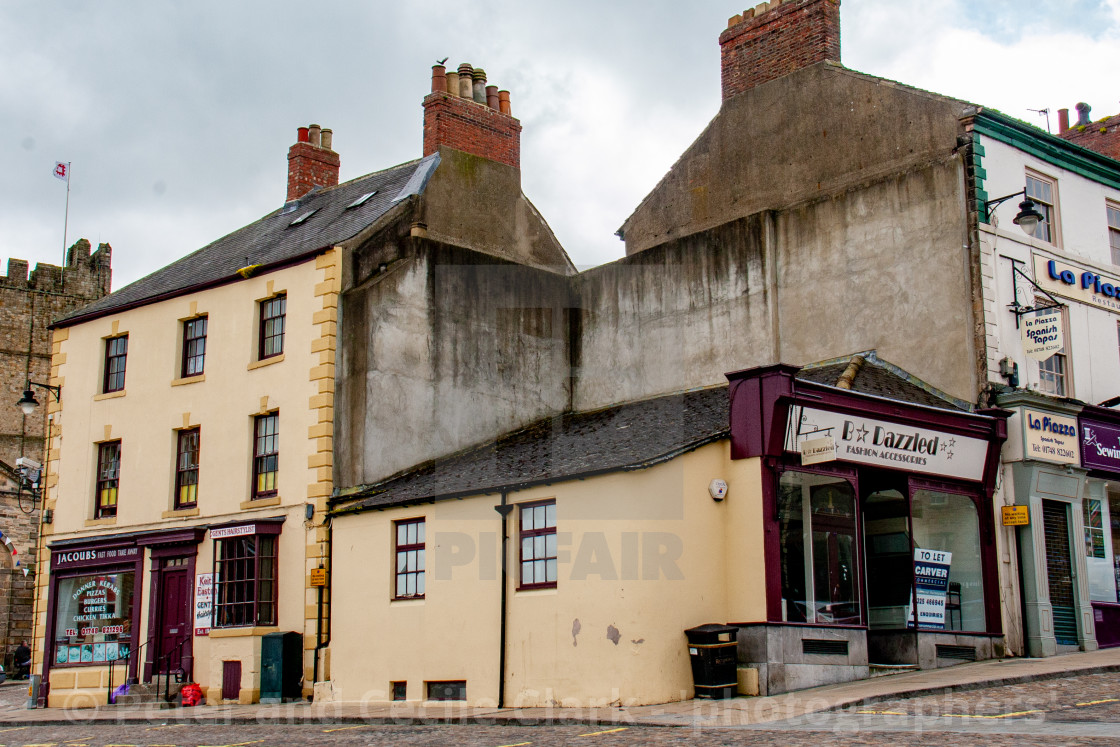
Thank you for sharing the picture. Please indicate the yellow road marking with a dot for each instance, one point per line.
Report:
(519, 744)
(1098, 702)
(235, 744)
(346, 728)
(14, 728)
(886, 713)
(1002, 715)
(608, 731)
(164, 726)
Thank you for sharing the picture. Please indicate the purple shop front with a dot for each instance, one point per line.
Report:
(1099, 432)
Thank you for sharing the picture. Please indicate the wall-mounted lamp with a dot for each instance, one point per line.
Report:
(28, 403)
(1028, 217)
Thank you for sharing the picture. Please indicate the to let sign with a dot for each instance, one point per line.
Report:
(1016, 516)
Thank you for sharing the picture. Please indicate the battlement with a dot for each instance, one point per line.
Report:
(86, 275)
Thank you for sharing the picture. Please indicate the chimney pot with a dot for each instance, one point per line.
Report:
(492, 97)
(466, 81)
(479, 86)
(503, 103)
(465, 127)
(311, 163)
(1063, 121)
(1083, 110)
(453, 83)
(301, 135)
(328, 139)
(315, 135)
(439, 78)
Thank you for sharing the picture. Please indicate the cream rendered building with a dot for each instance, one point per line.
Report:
(191, 450)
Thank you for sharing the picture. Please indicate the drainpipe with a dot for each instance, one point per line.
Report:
(504, 510)
(320, 644)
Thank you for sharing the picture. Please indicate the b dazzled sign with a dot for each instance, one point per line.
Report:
(886, 444)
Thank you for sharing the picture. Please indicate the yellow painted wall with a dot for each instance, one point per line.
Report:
(156, 403)
(642, 556)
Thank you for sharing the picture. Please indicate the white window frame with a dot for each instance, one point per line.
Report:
(1054, 223)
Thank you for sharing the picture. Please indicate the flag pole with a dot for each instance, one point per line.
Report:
(65, 225)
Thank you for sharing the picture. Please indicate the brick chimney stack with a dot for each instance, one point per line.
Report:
(311, 162)
(464, 113)
(775, 39)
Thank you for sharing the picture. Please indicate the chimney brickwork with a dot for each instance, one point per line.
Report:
(775, 39)
(1103, 136)
(311, 162)
(466, 118)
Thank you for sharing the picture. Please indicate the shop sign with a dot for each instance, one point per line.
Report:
(885, 444)
(815, 450)
(1100, 446)
(1074, 282)
(1016, 516)
(931, 582)
(1049, 437)
(239, 531)
(203, 603)
(1043, 333)
(81, 558)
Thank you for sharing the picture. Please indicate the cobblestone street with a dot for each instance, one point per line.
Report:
(1076, 710)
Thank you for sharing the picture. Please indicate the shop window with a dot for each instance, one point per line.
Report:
(245, 581)
(1044, 192)
(818, 549)
(116, 355)
(186, 468)
(410, 560)
(93, 618)
(271, 333)
(1113, 210)
(266, 454)
(538, 545)
(108, 479)
(1094, 528)
(948, 523)
(194, 347)
(1114, 514)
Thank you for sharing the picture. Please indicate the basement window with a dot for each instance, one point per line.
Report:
(303, 218)
(451, 690)
(361, 200)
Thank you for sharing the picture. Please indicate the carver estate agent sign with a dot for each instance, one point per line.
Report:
(885, 444)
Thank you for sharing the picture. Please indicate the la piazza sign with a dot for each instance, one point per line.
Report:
(1077, 283)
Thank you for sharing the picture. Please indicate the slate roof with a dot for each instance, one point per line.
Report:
(882, 379)
(272, 240)
(632, 436)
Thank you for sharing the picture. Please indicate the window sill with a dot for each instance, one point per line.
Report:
(538, 590)
(108, 521)
(244, 632)
(179, 512)
(266, 362)
(407, 601)
(188, 380)
(108, 395)
(260, 503)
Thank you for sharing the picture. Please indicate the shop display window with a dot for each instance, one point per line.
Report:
(1094, 528)
(948, 523)
(819, 551)
(93, 618)
(245, 577)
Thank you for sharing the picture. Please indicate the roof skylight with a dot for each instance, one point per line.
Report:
(303, 218)
(361, 200)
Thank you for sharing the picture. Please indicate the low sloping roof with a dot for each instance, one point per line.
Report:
(272, 240)
(632, 436)
(877, 377)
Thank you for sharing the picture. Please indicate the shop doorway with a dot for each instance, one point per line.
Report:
(171, 637)
(887, 547)
(1059, 571)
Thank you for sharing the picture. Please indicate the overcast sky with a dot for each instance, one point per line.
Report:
(177, 116)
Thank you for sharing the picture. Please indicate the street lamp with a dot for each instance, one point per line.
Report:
(28, 403)
(1028, 217)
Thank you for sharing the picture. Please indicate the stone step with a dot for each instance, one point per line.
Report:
(882, 670)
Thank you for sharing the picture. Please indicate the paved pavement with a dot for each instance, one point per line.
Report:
(795, 711)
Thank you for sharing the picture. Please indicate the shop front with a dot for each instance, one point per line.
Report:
(880, 540)
(1046, 478)
(1100, 454)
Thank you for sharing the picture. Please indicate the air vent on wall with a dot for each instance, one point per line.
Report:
(960, 653)
(824, 648)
